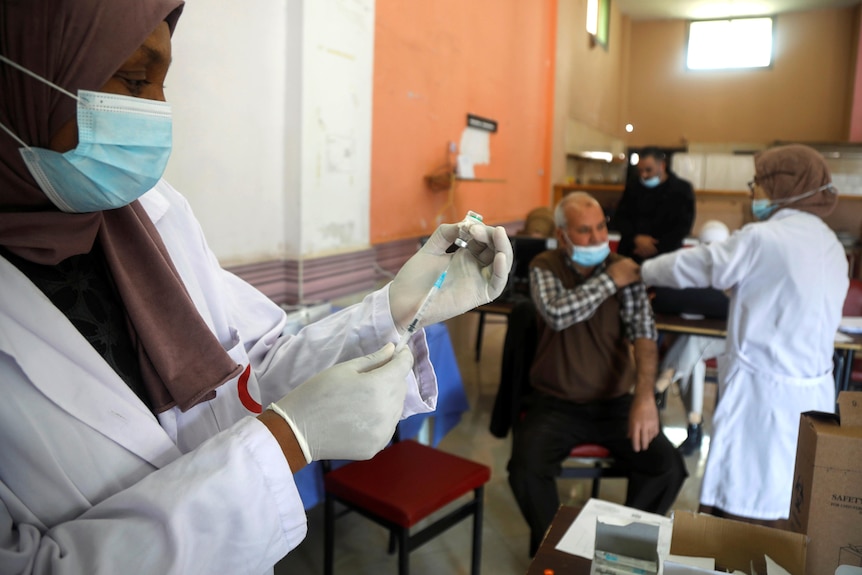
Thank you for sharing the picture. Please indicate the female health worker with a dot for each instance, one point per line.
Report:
(787, 279)
(135, 372)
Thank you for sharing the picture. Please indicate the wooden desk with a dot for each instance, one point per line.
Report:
(676, 324)
(548, 557)
(843, 357)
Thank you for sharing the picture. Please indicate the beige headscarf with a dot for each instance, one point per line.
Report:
(79, 44)
(789, 171)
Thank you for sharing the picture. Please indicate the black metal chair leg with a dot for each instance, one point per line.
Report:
(595, 491)
(479, 332)
(477, 531)
(393, 541)
(328, 535)
(403, 552)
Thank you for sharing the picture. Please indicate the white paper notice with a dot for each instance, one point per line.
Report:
(580, 538)
(476, 144)
(465, 167)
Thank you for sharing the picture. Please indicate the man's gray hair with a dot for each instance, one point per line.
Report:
(560, 210)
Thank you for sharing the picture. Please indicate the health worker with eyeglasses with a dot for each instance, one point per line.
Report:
(155, 409)
(787, 279)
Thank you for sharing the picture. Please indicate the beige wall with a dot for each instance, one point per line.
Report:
(591, 86)
(802, 97)
(806, 96)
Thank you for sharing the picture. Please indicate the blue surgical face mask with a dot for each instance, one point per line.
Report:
(123, 148)
(762, 208)
(651, 182)
(590, 256)
(587, 256)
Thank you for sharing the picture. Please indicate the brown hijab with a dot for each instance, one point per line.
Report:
(789, 171)
(79, 44)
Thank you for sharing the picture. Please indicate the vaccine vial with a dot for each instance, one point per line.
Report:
(464, 230)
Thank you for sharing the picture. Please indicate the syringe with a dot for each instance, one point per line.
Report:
(411, 329)
(460, 242)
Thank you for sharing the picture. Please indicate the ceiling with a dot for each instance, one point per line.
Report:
(706, 9)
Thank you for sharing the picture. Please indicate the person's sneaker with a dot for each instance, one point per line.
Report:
(692, 442)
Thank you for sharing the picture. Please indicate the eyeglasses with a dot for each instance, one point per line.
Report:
(753, 181)
(751, 185)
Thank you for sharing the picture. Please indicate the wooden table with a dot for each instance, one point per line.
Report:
(844, 350)
(676, 324)
(548, 557)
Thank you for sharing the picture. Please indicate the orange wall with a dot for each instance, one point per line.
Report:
(802, 97)
(434, 63)
(855, 134)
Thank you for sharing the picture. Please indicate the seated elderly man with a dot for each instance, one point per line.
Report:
(585, 386)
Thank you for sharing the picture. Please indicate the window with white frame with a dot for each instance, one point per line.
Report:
(599, 21)
(723, 44)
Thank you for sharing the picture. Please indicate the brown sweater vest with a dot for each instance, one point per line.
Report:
(590, 360)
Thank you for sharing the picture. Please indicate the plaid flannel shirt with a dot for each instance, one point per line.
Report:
(561, 307)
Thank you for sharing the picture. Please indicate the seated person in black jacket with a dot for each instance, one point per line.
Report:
(584, 386)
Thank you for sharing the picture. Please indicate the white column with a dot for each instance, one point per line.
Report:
(272, 125)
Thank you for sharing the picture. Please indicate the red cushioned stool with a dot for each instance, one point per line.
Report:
(591, 461)
(401, 485)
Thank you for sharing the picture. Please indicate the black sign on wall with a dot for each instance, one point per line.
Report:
(481, 123)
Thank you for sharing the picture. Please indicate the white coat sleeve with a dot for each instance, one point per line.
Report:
(721, 265)
(282, 362)
(229, 506)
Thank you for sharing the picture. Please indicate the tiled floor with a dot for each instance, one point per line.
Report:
(361, 545)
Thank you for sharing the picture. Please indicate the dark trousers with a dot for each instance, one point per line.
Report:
(551, 427)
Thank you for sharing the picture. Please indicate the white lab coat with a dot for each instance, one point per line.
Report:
(787, 279)
(92, 482)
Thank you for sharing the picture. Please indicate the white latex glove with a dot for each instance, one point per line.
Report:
(350, 410)
(477, 275)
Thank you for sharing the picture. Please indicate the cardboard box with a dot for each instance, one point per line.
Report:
(827, 486)
(737, 545)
